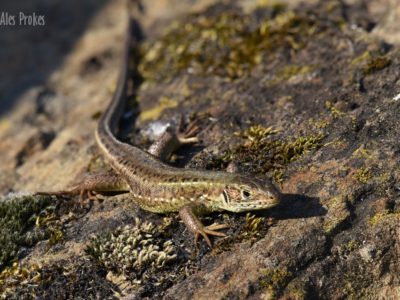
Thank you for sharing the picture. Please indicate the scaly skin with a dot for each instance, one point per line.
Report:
(158, 187)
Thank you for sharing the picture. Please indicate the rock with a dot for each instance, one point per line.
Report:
(367, 252)
(305, 94)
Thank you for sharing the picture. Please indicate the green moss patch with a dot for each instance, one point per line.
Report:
(363, 175)
(22, 223)
(78, 279)
(225, 42)
(370, 62)
(275, 280)
(338, 214)
(261, 151)
(387, 215)
(376, 64)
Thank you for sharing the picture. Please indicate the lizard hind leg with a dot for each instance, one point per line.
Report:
(91, 185)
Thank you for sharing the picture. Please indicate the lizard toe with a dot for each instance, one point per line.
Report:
(210, 230)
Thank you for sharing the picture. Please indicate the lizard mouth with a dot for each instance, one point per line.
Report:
(254, 205)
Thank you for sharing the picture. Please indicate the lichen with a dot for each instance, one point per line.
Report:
(23, 222)
(131, 249)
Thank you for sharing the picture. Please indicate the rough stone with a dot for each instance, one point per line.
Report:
(305, 93)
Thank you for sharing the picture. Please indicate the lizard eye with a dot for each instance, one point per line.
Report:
(246, 194)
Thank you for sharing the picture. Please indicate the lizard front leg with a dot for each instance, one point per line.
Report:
(171, 140)
(189, 215)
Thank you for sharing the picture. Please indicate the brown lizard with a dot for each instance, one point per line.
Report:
(158, 187)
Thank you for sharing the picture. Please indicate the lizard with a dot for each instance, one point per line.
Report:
(161, 188)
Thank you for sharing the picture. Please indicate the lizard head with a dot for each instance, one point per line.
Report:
(246, 194)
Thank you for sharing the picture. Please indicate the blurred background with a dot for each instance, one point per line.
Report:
(29, 54)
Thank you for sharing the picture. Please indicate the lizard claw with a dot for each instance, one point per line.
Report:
(188, 216)
(210, 230)
(187, 140)
(86, 195)
(188, 135)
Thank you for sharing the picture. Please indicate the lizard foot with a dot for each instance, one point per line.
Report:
(209, 230)
(188, 214)
(84, 194)
(189, 134)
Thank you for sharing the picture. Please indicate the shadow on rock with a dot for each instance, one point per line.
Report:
(295, 206)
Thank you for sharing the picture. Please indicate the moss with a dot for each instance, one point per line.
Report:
(227, 43)
(363, 175)
(384, 177)
(376, 64)
(338, 213)
(56, 237)
(370, 63)
(361, 59)
(289, 71)
(23, 222)
(331, 6)
(251, 229)
(78, 278)
(131, 250)
(14, 276)
(335, 111)
(248, 227)
(154, 113)
(352, 245)
(278, 175)
(295, 290)
(96, 115)
(319, 124)
(276, 4)
(261, 152)
(275, 280)
(363, 152)
(386, 215)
